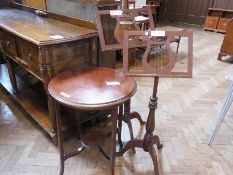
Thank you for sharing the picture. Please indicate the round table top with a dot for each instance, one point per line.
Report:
(92, 88)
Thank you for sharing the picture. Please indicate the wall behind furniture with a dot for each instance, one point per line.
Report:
(190, 11)
(226, 4)
(139, 3)
(84, 9)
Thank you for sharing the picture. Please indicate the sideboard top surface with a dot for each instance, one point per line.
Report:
(41, 30)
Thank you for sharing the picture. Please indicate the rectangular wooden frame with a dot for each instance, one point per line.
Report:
(117, 46)
(188, 74)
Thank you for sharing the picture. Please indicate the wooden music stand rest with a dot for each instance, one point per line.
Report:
(124, 20)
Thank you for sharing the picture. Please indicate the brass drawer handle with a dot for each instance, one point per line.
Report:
(30, 56)
(23, 62)
(41, 13)
(8, 43)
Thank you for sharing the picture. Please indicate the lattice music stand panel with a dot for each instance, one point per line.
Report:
(124, 20)
(154, 53)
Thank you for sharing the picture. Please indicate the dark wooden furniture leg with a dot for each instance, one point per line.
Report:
(120, 118)
(127, 119)
(59, 137)
(136, 115)
(114, 114)
(131, 115)
(51, 112)
(149, 139)
(63, 155)
(11, 75)
(220, 55)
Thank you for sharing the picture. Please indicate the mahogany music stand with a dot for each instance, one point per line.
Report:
(150, 39)
(160, 68)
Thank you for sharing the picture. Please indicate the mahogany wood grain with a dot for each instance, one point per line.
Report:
(58, 17)
(158, 69)
(227, 45)
(40, 30)
(218, 19)
(222, 25)
(91, 88)
(120, 23)
(135, 39)
(45, 46)
(211, 22)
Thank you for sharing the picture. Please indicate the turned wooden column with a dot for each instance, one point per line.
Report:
(125, 4)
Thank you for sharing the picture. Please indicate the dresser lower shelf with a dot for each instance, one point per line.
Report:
(32, 103)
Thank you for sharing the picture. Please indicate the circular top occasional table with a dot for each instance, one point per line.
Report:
(90, 89)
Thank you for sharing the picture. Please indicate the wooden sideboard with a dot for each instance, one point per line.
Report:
(218, 19)
(227, 45)
(44, 44)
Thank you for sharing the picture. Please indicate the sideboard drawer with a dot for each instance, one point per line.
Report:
(29, 56)
(9, 44)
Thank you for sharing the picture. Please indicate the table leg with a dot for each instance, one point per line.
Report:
(127, 120)
(59, 136)
(11, 75)
(134, 114)
(120, 125)
(114, 114)
(51, 112)
(10, 69)
(220, 55)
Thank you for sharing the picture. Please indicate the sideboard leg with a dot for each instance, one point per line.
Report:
(12, 75)
(220, 55)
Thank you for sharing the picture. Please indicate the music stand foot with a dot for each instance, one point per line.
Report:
(153, 156)
(156, 140)
(132, 144)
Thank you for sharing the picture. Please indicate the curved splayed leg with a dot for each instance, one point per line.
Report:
(153, 156)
